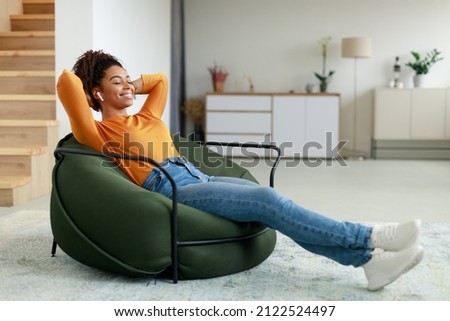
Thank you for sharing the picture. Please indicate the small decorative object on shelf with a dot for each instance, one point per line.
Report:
(421, 65)
(195, 110)
(309, 88)
(397, 70)
(396, 83)
(219, 75)
(251, 87)
(325, 77)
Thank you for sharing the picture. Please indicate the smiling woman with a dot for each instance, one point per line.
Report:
(145, 135)
(113, 81)
(115, 92)
(98, 74)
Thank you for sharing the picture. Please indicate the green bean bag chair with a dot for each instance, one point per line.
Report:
(103, 220)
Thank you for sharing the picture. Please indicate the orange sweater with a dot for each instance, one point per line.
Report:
(143, 134)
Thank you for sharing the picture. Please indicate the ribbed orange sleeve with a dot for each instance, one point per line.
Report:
(156, 86)
(143, 134)
(71, 94)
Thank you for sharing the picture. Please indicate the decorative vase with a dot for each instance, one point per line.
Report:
(309, 88)
(218, 86)
(323, 87)
(420, 81)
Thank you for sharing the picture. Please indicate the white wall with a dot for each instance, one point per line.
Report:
(276, 43)
(135, 31)
(8, 7)
(72, 38)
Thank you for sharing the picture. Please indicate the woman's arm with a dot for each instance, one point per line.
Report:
(73, 98)
(138, 84)
(156, 86)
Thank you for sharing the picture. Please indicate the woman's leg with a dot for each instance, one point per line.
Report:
(240, 200)
(344, 242)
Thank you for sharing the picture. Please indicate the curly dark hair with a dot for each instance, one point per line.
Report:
(90, 67)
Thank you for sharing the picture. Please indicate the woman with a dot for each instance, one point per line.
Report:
(99, 81)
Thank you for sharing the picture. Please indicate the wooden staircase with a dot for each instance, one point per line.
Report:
(28, 125)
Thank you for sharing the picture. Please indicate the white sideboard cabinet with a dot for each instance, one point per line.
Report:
(411, 123)
(306, 125)
(301, 125)
(238, 118)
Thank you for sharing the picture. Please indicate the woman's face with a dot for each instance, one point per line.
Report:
(117, 90)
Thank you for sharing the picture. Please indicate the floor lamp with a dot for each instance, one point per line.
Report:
(356, 47)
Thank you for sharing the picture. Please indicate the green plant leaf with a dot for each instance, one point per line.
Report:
(320, 77)
(422, 65)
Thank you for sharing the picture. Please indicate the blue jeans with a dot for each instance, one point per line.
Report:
(244, 201)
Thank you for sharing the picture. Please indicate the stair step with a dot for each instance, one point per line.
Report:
(38, 6)
(27, 107)
(27, 40)
(13, 181)
(17, 161)
(15, 190)
(27, 60)
(37, 1)
(27, 73)
(31, 82)
(28, 123)
(36, 22)
(22, 151)
(20, 132)
(26, 133)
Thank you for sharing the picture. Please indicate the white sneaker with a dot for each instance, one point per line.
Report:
(395, 237)
(386, 267)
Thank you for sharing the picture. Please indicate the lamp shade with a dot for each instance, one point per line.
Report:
(356, 47)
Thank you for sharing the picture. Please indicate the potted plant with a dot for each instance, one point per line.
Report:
(219, 75)
(421, 65)
(325, 77)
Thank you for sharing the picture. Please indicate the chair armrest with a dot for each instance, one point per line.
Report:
(253, 145)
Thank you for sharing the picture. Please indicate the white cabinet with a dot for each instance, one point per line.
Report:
(428, 114)
(412, 123)
(301, 125)
(420, 113)
(288, 113)
(238, 118)
(392, 114)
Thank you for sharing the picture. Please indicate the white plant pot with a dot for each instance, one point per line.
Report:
(420, 81)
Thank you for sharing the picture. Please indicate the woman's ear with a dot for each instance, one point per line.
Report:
(93, 98)
(95, 93)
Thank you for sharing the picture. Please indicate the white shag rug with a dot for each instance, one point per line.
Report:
(28, 272)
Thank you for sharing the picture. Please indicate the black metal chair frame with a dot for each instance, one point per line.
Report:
(175, 243)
